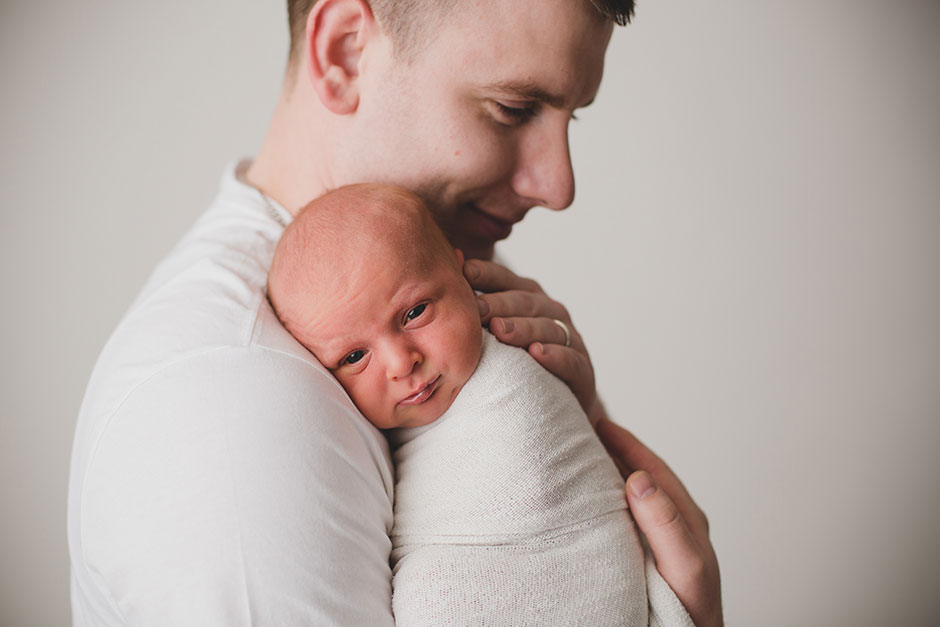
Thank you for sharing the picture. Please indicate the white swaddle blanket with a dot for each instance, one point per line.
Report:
(508, 511)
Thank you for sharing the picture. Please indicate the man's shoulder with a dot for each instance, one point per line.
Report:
(206, 297)
(201, 342)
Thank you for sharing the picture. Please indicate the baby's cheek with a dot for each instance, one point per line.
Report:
(473, 345)
(364, 399)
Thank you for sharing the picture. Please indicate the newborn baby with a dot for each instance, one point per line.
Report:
(508, 510)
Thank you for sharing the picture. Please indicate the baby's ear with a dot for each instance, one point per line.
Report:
(460, 259)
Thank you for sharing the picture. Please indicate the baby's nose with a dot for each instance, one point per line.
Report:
(403, 360)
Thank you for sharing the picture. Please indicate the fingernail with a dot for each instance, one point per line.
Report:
(537, 347)
(508, 326)
(470, 270)
(641, 484)
(483, 307)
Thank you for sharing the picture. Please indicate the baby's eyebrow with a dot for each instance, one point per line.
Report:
(334, 358)
(326, 355)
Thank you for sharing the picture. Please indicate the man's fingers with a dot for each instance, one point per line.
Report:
(525, 331)
(488, 276)
(520, 303)
(519, 313)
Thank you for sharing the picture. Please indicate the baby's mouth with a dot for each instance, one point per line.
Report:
(423, 394)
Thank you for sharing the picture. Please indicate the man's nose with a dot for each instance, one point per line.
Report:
(402, 359)
(543, 173)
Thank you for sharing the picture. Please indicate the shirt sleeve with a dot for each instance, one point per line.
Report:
(240, 487)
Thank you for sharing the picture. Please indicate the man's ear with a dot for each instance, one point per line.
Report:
(336, 34)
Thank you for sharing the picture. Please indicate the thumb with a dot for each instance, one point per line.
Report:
(678, 557)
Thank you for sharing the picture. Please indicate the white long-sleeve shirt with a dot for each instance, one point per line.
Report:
(219, 475)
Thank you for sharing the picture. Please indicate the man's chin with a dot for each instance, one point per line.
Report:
(484, 252)
(474, 248)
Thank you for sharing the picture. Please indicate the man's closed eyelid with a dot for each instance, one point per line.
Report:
(509, 115)
(519, 110)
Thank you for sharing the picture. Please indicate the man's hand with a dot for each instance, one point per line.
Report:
(674, 526)
(519, 313)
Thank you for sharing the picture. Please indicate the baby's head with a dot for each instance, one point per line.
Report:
(365, 279)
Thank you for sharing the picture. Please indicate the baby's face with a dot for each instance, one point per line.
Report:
(401, 339)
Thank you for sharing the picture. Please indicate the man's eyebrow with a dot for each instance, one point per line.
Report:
(530, 91)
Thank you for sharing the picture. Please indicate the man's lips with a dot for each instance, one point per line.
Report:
(423, 394)
(490, 226)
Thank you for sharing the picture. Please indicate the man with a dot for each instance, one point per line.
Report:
(219, 476)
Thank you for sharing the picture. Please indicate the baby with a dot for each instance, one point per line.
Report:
(508, 510)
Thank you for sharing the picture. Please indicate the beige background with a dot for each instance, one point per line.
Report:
(753, 258)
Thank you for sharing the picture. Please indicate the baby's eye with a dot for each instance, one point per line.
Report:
(415, 312)
(354, 356)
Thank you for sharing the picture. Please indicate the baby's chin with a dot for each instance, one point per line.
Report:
(439, 402)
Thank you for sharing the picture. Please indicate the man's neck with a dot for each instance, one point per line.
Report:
(288, 167)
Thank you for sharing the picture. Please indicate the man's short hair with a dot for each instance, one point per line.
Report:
(407, 21)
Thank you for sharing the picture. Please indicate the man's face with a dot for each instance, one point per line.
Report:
(401, 338)
(477, 123)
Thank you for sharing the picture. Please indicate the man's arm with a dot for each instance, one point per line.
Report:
(519, 312)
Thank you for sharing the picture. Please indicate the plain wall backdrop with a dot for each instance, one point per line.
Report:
(753, 259)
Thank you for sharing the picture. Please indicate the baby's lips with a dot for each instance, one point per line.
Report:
(422, 394)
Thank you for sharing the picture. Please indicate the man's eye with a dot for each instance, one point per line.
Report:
(415, 312)
(353, 357)
(513, 115)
